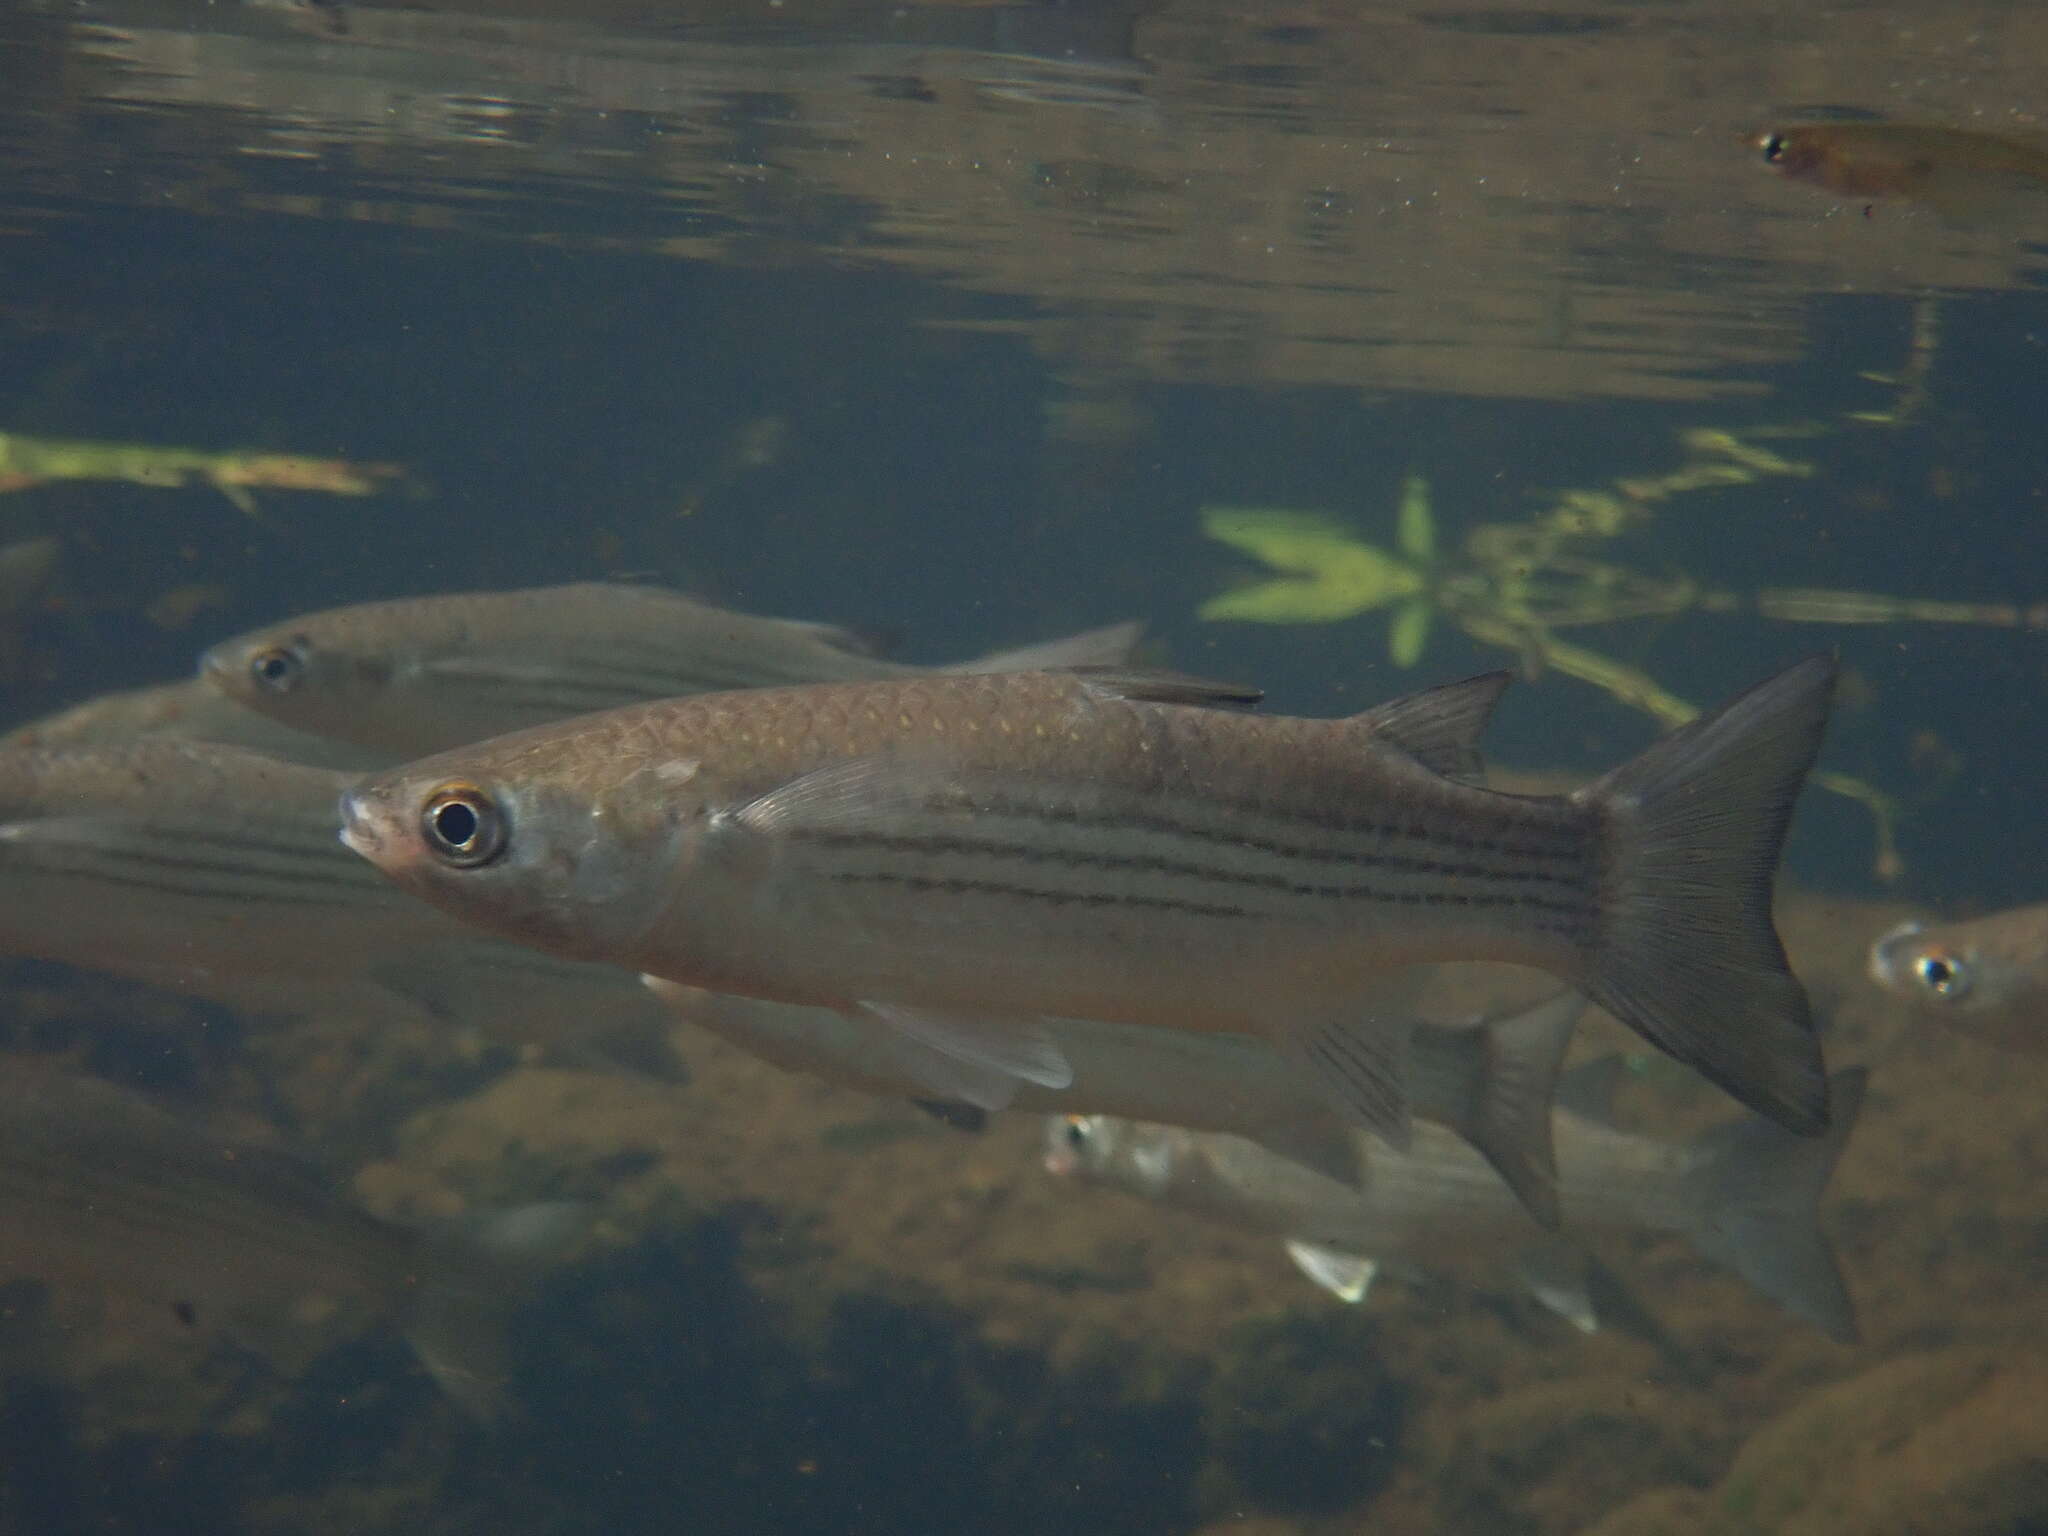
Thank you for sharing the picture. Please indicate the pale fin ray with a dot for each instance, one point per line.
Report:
(1018, 1048)
(1346, 1276)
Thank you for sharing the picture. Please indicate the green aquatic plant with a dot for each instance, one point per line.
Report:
(27, 461)
(1515, 585)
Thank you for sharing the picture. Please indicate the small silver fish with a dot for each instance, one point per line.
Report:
(1491, 1082)
(1987, 977)
(213, 871)
(103, 1191)
(1744, 1194)
(966, 856)
(417, 675)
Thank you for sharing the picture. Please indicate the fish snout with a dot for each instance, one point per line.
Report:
(366, 825)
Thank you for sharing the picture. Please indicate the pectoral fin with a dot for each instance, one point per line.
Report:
(1346, 1276)
(979, 1059)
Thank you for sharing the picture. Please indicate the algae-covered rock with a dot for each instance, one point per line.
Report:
(1953, 1442)
(1557, 1448)
(1302, 1412)
(1660, 1512)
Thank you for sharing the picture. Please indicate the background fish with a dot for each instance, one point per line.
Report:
(215, 871)
(1955, 170)
(423, 674)
(962, 856)
(103, 1191)
(1491, 1082)
(187, 710)
(1744, 1194)
(1986, 977)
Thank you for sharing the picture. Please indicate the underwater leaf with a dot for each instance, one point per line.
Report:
(1334, 575)
(1417, 527)
(1409, 632)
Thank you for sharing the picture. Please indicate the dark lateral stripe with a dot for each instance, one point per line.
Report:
(948, 886)
(942, 847)
(205, 867)
(238, 888)
(1567, 844)
(959, 885)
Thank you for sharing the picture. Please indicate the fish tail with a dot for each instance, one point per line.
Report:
(1753, 1195)
(1686, 952)
(472, 1284)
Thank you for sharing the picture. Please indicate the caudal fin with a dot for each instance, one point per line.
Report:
(1687, 954)
(1752, 1196)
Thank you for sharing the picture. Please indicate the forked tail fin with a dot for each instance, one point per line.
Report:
(1753, 1193)
(1686, 953)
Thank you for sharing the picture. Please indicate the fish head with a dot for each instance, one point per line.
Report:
(1079, 1146)
(553, 842)
(301, 674)
(1101, 1149)
(1794, 152)
(1926, 966)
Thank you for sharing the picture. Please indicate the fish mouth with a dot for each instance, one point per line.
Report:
(214, 664)
(359, 832)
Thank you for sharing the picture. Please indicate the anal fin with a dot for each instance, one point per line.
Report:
(1361, 1065)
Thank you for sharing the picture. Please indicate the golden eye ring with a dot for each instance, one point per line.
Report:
(277, 668)
(463, 827)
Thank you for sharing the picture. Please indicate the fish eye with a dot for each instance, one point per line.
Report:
(1942, 974)
(1076, 1133)
(463, 826)
(278, 668)
(1773, 146)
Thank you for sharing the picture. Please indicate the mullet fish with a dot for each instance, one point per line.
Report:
(1743, 1194)
(1491, 1082)
(966, 856)
(417, 675)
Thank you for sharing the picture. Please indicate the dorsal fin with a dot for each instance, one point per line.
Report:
(1440, 727)
(1147, 686)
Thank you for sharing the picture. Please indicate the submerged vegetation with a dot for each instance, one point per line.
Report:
(1517, 585)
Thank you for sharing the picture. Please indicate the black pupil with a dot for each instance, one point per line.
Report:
(456, 824)
(1076, 1137)
(1938, 974)
(273, 666)
(1774, 147)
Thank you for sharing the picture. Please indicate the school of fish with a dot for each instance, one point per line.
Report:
(1199, 936)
